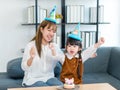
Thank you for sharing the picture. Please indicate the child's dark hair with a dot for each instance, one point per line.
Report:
(71, 41)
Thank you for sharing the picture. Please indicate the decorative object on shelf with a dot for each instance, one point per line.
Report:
(58, 20)
(51, 16)
(58, 17)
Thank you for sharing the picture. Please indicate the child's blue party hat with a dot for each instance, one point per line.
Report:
(51, 16)
(75, 34)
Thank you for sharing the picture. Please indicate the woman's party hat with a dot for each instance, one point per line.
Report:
(51, 16)
(75, 34)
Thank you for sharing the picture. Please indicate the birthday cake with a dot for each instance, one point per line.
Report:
(69, 83)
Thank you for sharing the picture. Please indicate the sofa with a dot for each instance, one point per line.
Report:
(105, 68)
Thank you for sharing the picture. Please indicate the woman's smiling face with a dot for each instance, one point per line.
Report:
(48, 33)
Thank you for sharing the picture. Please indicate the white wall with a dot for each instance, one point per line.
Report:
(14, 36)
(111, 31)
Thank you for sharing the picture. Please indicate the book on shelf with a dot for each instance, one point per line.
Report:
(88, 38)
(30, 14)
(75, 13)
(82, 13)
(41, 14)
(68, 14)
(93, 14)
(83, 39)
(57, 39)
(72, 14)
(101, 13)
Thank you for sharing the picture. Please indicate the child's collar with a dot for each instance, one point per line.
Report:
(70, 57)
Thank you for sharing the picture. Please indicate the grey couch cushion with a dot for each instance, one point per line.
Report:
(7, 82)
(14, 68)
(99, 63)
(114, 63)
(57, 70)
(101, 78)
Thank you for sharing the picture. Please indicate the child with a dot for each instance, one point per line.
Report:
(72, 61)
(38, 60)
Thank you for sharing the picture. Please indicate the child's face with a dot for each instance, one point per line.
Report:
(48, 34)
(72, 49)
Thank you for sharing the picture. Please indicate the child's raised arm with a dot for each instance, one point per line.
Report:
(100, 42)
(91, 51)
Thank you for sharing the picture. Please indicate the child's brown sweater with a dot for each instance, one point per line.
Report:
(69, 70)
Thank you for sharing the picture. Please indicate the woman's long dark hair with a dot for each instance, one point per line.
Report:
(71, 41)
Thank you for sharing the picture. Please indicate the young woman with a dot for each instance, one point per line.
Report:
(39, 59)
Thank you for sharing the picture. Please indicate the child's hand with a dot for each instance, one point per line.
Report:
(101, 41)
(32, 52)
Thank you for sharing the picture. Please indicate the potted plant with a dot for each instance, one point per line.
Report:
(58, 17)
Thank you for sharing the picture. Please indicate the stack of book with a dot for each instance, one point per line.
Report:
(41, 14)
(75, 13)
(93, 14)
(88, 38)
